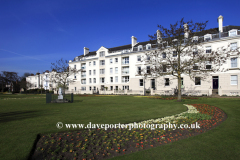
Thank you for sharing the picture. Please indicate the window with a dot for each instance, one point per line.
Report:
(111, 71)
(148, 70)
(94, 80)
(148, 58)
(208, 49)
(111, 79)
(83, 81)
(75, 77)
(90, 63)
(166, 81)
(197, 81)
(111, 61)
(207, 37)
(174, 53)
(140, 82)
(116, 78)
(102, 54)
(208, 65)
(233, 46)
(90, 80)
(111, 88)
(94, 72)
(35, 78)
(94, 63)
(90, 88)
(125, 79)
(94, 88)
(116, 87)
(125, 70)
(102, 80)
(163, 55)
(102, 62)
(102, 71)
(175, 66)
(75, 88)
(195, 51)
(195, 39)
(234, 80)
(116, 70)
(125, 60)
(165, 68)
(83, 88)
(140, 48)
(90, 72)
(75, 67)
(195, 67)
(139, 58)
(116, 60)
(233, 62)
(148, 46)
(139, 70)
(233, 32)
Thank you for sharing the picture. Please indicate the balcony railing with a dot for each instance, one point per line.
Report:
(125, 72)
(83, 76)
(125, 80)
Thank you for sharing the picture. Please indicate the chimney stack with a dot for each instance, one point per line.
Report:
(86, 51)
(220, 23)
(134, 41)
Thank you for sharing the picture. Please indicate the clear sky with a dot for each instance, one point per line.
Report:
(34, 33)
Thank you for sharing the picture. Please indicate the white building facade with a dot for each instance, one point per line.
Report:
(115, 70)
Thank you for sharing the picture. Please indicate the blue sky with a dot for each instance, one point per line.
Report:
(34, 33)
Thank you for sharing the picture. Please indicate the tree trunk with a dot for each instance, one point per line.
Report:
(179, 88)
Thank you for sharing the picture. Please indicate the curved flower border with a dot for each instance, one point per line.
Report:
(167, 119)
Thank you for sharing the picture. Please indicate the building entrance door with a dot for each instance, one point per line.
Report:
(215, 82)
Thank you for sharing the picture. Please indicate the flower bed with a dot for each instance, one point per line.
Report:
(102, 144)
(171, 98)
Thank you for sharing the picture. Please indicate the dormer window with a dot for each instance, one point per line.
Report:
(148, 46)
(76, 58)
(195, 39)
(140, 48)
(232, 32)
(207, 37)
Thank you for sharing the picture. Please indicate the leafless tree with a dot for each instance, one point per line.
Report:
(180, 51)
(63, 73)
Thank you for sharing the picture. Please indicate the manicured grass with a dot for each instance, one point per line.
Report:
(223, 142)
(22, 119)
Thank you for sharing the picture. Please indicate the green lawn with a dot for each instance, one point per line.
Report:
(22, 119)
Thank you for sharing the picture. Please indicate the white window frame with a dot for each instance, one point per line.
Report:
(90, 80)
(94, 63)
(90, 72)
(165, 82)
(116, 70)
(207, 37)
(139, 58)
(148, 46)
(141, 82)
(89, 63)
(111, 70)
(234, 80)
(116, 60)
(111, 79)
(208, 49)
(102, 54)
(140, 48)
(102, 80)
(102, 62)
(111, 61)
(102, 71)
(94, 72)
(94, 80)
(233, 46)
(235, 63)
(232, 32)
(116, 79)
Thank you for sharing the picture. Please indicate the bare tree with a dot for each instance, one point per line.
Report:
(180, 51)
(63, 73)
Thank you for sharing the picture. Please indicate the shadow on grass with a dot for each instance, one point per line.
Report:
(18, 115)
